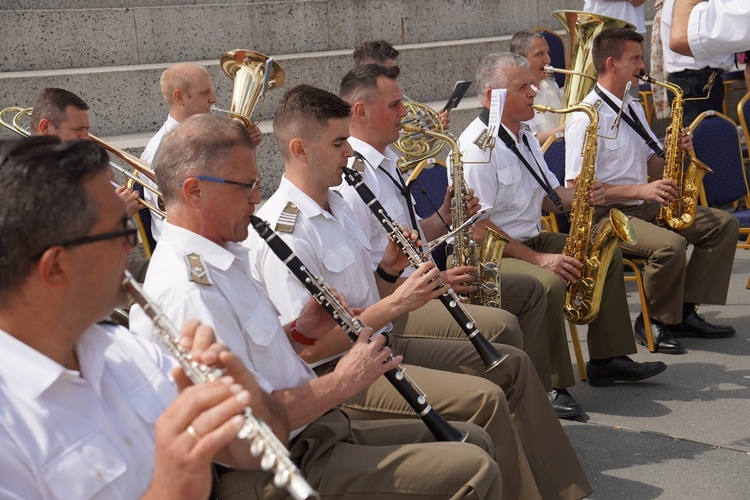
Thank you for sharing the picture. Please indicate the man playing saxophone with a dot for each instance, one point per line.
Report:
(673, 284)
(501, 179)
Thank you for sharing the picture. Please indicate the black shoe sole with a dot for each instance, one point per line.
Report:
(608, 382)
(662, 350)
(568, 414)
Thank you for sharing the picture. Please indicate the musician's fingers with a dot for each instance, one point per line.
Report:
(213, 418)
(187, 332)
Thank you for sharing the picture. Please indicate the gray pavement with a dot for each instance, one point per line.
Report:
(684, 433)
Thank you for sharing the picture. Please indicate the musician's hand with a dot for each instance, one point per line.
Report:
(445, 118)
(663, 191)
(314, 321)
(596, 196)
(131, 199)
(364, 363)
(686, 139)
(566, 268)
(423, 285)
(255, 135)
(472, 203)
(461, 279)
(182, 466)
(394, 260)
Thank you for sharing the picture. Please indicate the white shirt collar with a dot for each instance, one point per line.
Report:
(373, 156)
(215, 255)
(615, 99)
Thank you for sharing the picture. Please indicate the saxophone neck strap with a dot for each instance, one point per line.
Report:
(540, 178)
(632, 121)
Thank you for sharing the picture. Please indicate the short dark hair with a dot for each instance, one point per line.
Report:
(359, 83)
(198, 146)
(34, 172)
(522, 41)
(374, 52)
(611, 43)
(52, 105)
(302, 105)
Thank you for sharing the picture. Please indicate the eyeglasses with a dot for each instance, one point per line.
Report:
(249, 185)
(129, 232)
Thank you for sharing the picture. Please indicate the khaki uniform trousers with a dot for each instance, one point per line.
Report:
(375, 460)
(669, 278)
(609, 335)
(521, 323)
(535, 457)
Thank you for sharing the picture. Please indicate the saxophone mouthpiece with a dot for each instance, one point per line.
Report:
(645, 77)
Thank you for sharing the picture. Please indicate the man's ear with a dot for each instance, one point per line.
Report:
(177, 96)
(297, 148)
(44, 126)
(52, 267)
(610, 64)
(191, 189)
(359, 111)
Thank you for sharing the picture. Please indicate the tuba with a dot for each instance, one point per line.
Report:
(679, 214)
(422, 140)
(582, 28)
(583, 298)
(253, 74)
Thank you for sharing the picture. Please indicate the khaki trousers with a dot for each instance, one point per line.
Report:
(669, 278)
(609, 335)
(375, 460)
(535, 457)
(521, 323)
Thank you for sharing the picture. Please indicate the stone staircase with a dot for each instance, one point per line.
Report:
(112, 52)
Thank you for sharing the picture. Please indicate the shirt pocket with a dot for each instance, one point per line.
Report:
(339, 258)
(262, 350)
(85, 469)
(510, 193)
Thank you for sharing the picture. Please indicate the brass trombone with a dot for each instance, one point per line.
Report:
(136, 163)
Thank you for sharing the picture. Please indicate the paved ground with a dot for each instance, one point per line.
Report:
(685, 434)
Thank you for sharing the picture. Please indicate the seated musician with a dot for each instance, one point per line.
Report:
(91, 410)
(674, 284)
(311, 126)
(519, 189)
(209, 177)
(63, 114)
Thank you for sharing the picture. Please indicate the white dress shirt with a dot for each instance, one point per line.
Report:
(89, 434)
(619, 9)
(500, 179)
(674, 62)
(387, 194)
(148, 155)
(549, 95)
(330, 244)
(719, 27)
(241, 315)
(622, 160)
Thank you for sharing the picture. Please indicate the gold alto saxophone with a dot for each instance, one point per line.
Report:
(679, 214)
(583, 298)
(487, 258)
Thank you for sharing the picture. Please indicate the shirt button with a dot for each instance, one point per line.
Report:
(128, 441)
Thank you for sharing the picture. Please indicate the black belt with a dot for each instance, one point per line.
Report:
(703, 71)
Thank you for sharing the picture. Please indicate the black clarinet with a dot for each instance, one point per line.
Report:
(440, 428)
(490, 357)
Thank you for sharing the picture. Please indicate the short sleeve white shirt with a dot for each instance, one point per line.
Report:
(622, 160)
(719, 27)
(500, 179)
(81, 434)
(385, 191)
(148, 155)
(330, 244)
(619, 9)
(241, 315)
(549, 95)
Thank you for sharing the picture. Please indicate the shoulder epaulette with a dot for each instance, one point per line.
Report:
(526, 127)
(597, 104)
(287, 218)
(358, 164)
(197, 270)
(481, 140)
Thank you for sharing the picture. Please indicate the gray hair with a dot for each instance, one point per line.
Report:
(199, 146)
(34, 172)
(522, 42)
(492, 69)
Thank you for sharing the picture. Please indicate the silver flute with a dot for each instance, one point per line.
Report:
(263, 442)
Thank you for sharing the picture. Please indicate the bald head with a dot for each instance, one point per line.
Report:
(187, 89)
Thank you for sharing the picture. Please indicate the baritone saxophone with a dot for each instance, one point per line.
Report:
(594, 252)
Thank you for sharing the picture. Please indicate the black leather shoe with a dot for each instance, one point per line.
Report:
(695, 325)
(664, 342)
(564, 404)
(622, 369)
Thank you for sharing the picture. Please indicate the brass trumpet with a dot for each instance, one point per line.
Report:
(15, 124)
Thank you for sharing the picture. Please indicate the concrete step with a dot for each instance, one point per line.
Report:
(270, 162)
(126, 100)
(110, 4)
(91, 38)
